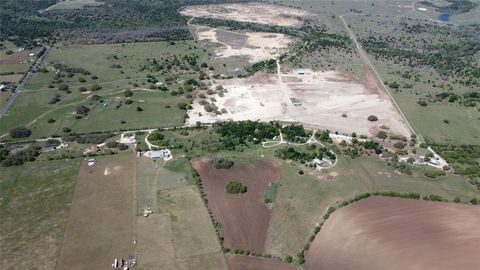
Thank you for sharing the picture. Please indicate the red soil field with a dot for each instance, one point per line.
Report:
(393, 233)
(255, 263)
(244, 217)
(16, 57)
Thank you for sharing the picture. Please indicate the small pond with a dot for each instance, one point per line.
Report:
(444, 17)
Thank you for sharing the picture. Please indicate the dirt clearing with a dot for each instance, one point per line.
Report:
(16, 58)
(255, 263)
(320, 100)
(256, 46)
(393, 233)
(244, 217)
(102, 218)
(248, 12)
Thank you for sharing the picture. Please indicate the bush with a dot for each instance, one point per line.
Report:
(139, 109)
(288, 259)
(50, 120)
(399, 145)
(235, 187)
(422, 103)
(372, 118)
(112, 144)
(66, 130)
(222, 163)
(382, 134)
(20, 132)
(82, 110)
(122, 146)
(474, 201)
(128, 101)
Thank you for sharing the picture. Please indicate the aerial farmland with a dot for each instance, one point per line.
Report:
(240, 135)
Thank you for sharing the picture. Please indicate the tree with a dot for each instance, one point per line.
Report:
(122, 146)
(82, 110)
(382, 134)
(235, 187)
(139, 109)
(112, 144)
(372, 118)
(128, 93)
(20, 132)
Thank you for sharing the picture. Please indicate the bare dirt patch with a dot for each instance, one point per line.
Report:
(16, 58)
(249, 12)
(255, 263)
(102, 218)
(244, 217)
(256, 46)
(321, 100)
(393, 233)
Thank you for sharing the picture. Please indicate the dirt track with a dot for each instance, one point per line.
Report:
(392, 233)
(244, 217)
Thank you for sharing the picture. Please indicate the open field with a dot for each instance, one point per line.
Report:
(393, 233)
(248, 12)
(152, 176)
(244, 217)
(255, 263)
(75, 4)
(302, 200)
(101, 224)
(256, 46)
(116, 67)
(179, 233)
(34, 205)
(315, 99)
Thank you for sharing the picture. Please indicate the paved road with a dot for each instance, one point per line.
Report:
(24, 80)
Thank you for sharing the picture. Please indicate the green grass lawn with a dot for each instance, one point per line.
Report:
(34, 206)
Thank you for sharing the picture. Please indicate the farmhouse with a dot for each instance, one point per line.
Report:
(162, 153)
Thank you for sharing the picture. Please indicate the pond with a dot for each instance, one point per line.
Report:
(444, 17)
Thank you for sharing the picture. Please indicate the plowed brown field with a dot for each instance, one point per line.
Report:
(254, 263)
(244, 217)
(392, 233)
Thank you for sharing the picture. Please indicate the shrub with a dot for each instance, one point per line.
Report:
(139, 109)
(235, 187)
(422, 103)
(66, 130)
(288, 259)
(82, 110)
(112, 144)
(474, 201)
(399, 145)
(128, 101)
(372, 118)
(382, 134)
(122, 146)
(20, 132)
(50, 120)
(222, 163)
(128, 93)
